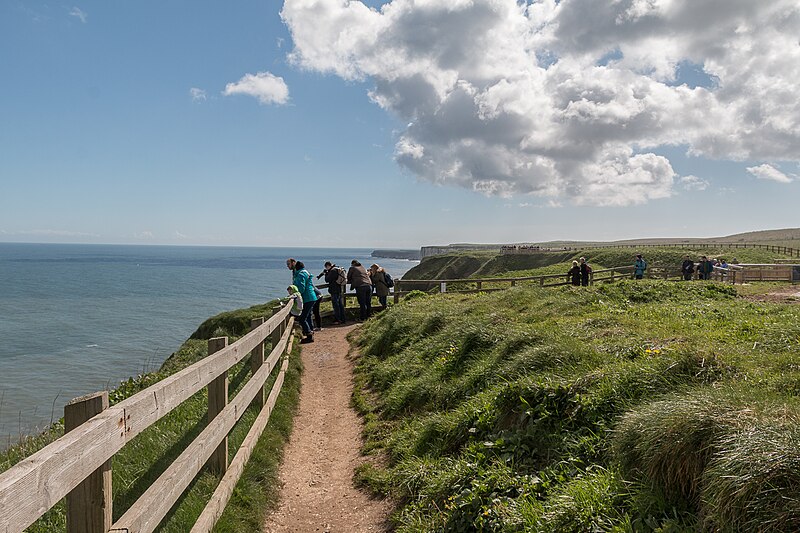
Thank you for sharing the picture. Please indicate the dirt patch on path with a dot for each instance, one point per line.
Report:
(317, 492)
(785, 295)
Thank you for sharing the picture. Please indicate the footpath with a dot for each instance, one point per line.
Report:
(317, 492)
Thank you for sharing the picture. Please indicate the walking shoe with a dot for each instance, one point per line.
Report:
(306, 340)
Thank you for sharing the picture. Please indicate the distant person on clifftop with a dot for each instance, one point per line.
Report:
(381, 283)
(574, 274)
(639, 266)
(302, 280)
(586, 271)
(705, 268)
(359, 280)
(336, 278)
(687, 268)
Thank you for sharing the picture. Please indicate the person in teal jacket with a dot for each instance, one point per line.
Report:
(639, 267)
(305, 286)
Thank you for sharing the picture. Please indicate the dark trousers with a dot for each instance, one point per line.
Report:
(687, 276)
(382, 300)
(317, 319)
(305, 318)
(364, 296)
(338, 307)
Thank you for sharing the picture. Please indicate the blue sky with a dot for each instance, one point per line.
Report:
(103, 140)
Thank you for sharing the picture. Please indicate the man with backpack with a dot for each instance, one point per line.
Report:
(336, 278)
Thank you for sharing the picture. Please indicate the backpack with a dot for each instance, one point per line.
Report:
(388, 280)
(341, 277)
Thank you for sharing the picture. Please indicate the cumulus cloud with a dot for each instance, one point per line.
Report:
(693, 183)
(566, 99)
(79, 14)
(268, 88)
(770, 173)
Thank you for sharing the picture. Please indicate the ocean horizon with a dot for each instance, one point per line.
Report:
(79, 318)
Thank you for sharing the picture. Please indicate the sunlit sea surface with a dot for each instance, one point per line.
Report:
(75, 319)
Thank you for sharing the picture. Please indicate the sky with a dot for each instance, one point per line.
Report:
(396, 124)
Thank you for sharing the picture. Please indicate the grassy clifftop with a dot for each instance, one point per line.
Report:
(488, 264)
(640, 406)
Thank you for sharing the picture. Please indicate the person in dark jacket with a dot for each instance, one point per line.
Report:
(705, 268)
(574, 274)
(586, 270)
(687, 268)
(331, 274)
(639, 266)
(359, 281)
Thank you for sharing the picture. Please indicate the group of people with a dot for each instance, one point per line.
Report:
(306, 297)
(704, 268)
(579, 273)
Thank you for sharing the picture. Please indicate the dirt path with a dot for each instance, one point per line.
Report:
(317, 492)
(787, 295)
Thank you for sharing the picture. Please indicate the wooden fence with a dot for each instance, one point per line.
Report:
(791, 252)
(78, 465)
(402, 287)
(732, 274)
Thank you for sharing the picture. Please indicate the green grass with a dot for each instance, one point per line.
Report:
(143, 459)
(488, 264)
(626, 407)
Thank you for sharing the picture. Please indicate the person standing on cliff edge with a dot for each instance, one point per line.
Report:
(359, 280)
(302, 280)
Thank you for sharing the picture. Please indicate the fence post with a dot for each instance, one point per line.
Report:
(396, 291)
(479, 285)
(443, 287)
(256, 360)
(541, 281)
(612, 275)
(217, 400)
(89, 504)
(277, 333)
(513, 283)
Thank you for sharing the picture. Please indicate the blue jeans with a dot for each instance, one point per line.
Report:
(364, 296)
(338, 307)
(305, 318)
(382, 300)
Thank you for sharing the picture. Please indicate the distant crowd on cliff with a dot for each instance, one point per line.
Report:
(580, 273)
(306, 297)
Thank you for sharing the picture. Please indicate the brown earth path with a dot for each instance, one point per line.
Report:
(317, 492)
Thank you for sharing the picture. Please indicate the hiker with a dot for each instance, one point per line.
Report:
(574, 274)
(639, 267)
(359, 281)
(687, 268)
(381, 283)
(296, 299)
(336, 277)
(705, 268)
(586, 270)
(305, 286)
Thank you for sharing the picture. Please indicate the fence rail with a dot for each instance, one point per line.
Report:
(77, 465)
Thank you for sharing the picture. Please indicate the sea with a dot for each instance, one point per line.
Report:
(76, 319)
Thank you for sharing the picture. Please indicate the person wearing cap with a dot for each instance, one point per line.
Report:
(639, 267)
(305, 286)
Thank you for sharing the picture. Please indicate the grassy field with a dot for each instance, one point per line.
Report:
(488, 264)
(638, 406)
(142, 460)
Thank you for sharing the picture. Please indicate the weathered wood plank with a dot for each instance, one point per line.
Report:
(147, 512)
(35, 484)
(217, 400)
(222, 495)
(89, 504)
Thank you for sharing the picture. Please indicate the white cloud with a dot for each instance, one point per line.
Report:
(179, 235)
(768, 172)
(198, 95)
(268, 88)
(693, 183)
(144, 235)
(506, 97)
(79, 14)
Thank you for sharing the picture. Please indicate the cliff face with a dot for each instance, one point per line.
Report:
(485, 264)
(413, 255)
